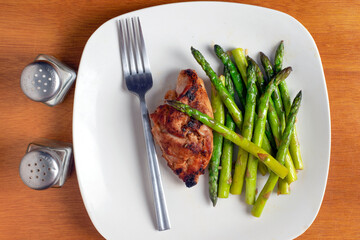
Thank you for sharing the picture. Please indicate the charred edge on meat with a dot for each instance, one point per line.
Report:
(190, 179)
(192, 74)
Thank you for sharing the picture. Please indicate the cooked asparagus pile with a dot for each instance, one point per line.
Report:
(264, 118)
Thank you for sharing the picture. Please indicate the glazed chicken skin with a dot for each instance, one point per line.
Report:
(186, 143)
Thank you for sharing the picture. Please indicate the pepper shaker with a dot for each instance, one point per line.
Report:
(47, 163)
(47, 80)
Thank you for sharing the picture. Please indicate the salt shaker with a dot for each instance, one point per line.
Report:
(47, 80)
(47, 163)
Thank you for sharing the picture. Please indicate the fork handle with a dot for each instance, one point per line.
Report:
(162, 217)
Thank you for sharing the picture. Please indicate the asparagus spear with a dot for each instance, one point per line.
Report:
(223, 92)
(294, 143)
(261, 85)
(276, 95)
(276, 126)
(241, 62)
(237, 139)
(228, 148)
(260, 81)
(247, 130)
(265, 61)
(283, 187)
(269, 136)
(251, 171)
(280, 156)
(295, 150)
(268, 141)
(272, 115)
(239, 85)
(267, 146)
(219, 115)
(278, 61)
(276, 132)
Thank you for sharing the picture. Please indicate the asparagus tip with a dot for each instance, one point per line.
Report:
(177, 105)
(171, 102)
(299, 95)
(285, 72)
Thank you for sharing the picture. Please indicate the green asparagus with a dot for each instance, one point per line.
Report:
(276, 95)
(280, 156)
(251, 171)
(241, 63)
(239, 85)
(294, 143)
(284, 184)
(219, 115)
(223, 92)
(247, 130)
(276, 126)
(276, 132)
(278, 61)
(226, 98)
(227, 152)
(261, 85)
(260, 81)
(283, 187)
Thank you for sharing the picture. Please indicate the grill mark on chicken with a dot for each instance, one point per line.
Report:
(192, 125)
(190, 94)
(186, 143)
(193, 147)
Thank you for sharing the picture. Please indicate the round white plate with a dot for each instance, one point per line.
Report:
(110, 153)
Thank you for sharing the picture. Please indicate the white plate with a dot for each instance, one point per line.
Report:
(109, 147)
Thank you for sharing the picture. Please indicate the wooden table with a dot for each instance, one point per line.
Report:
(62, 28)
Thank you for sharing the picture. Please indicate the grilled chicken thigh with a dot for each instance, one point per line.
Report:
(186, 143)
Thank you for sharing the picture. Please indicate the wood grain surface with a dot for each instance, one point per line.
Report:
(61, 29)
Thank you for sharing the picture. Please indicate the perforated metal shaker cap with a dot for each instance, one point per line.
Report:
(40, 81)
(40, 169)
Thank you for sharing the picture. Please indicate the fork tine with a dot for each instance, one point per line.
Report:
(145, 59)
(130, 46)
(137, 46)
(124, 58)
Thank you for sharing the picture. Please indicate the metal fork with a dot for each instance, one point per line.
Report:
(136, 71)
